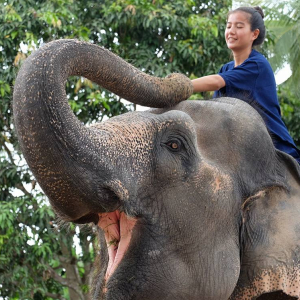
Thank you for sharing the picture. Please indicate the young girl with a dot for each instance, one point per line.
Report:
(250, 75)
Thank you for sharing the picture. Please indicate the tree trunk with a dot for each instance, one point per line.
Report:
(72, 275)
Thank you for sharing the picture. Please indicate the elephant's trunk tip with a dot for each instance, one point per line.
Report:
(180, 86)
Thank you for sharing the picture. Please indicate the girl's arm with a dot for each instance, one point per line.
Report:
(208, 83)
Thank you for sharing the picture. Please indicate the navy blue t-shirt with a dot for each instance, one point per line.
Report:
(254, 80)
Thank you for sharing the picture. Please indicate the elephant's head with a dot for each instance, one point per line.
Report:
(192, 200)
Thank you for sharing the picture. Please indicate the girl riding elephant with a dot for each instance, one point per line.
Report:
(249, 76)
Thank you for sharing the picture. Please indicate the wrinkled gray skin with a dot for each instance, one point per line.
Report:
(218, 217)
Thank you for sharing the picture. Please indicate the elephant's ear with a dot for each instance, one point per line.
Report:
(270, 240)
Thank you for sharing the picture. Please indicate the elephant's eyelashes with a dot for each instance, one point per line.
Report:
(117, 227)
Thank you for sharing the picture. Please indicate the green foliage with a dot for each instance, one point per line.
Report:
(21, 259)
(290, 107)
(168, 36)
(32, 251)
(282, 22)
(286, 48)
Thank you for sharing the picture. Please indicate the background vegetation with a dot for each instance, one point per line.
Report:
(40, 258)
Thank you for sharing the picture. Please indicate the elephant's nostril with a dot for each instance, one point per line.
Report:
(89, 218)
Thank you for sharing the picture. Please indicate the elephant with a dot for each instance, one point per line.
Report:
(190, 198)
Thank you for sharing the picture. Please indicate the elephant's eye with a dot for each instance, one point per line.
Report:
(174, 145)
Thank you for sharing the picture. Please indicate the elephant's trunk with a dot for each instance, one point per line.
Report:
(62, 153)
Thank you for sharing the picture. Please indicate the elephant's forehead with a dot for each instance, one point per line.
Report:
(228, 118)
(127, 143)
(142, 126)
(221, 109)
(127, 133)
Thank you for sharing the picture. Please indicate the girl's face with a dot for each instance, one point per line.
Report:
(238, 34)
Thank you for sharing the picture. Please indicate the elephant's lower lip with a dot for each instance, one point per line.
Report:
(117, 227)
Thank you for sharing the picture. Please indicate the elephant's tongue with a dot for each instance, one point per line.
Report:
(117, 228)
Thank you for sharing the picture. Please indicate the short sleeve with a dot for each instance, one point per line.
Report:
(242, 77)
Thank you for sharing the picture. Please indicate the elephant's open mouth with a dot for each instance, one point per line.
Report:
(117, 227)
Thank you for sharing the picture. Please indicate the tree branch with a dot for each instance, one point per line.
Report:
(68, 262)
(9, 153)
(20, 185)
(85, 245)
(65, 282)
(54, 296)
(64, 260)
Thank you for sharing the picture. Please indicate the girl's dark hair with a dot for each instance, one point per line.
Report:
(256, 21)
